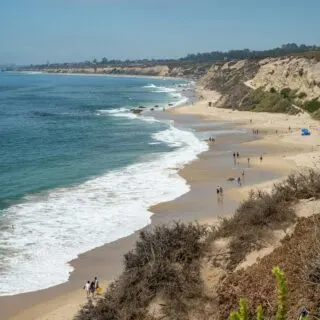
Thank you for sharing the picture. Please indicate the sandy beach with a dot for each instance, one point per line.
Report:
(280, 144)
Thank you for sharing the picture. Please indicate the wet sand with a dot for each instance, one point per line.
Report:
(213, 168)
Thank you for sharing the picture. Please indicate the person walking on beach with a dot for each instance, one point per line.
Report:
(219, 194)
(234, 158)
(248, 162)
(96, 284)
(92, 288)
(239, 182)
(261, 158)
(87, 288)
(238, 155)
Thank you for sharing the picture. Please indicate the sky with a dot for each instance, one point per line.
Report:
(37, 31)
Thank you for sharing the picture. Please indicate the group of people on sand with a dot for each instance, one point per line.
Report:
(255, 131)
(211, 139)
(236, 157)
(91, 287)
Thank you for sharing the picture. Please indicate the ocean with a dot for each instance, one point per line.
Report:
(78, 169)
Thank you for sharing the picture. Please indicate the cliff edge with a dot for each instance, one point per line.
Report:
(274, 84)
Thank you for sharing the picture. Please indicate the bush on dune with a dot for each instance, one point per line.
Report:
(316, 115)
(289, 94)
(254, 217)
(312, 106)
(298, 256)
(164, 262)
(271, 101)
(262, 212)
(297, 186)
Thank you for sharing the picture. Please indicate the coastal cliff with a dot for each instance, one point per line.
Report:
(299, 74)
(273, 84)
(192, 70)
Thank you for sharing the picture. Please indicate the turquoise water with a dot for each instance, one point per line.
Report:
(75, 161)
(53, 134)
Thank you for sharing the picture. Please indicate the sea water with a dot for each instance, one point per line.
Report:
(78, 169)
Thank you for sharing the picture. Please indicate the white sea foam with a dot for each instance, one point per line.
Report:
(52, 229)
(175, 92)
(113, 111)
(151, 85)
(126, 113)
(183, 100)
(31, 72)
(163, 90)
(160, 89)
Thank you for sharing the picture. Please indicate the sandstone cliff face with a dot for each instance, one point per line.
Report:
(229, 80)
(296, 73)
(161, 71)
(192, 70)
(235, 80)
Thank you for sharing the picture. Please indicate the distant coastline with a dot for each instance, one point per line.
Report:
(101, 74)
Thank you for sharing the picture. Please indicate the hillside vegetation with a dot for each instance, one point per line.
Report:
(165, 278)
(271, 85)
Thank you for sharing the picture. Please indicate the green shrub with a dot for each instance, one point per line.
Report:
(260, 212)
(243, 313)
(288, 93)
(259, 312)
(282, 105)
(302, 95)
(263, 211)
(312, 106)
(257, 95)
(297, 186)
(316, 115)
(282, 293)
(264, 101)
(273, 90)
(285, 92)
(165, 261)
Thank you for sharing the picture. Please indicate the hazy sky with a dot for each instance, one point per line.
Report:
(34, 31)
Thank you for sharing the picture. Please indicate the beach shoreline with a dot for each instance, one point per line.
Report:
(282, 151)
(89, 74)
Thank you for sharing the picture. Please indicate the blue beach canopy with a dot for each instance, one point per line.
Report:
(305, 132)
